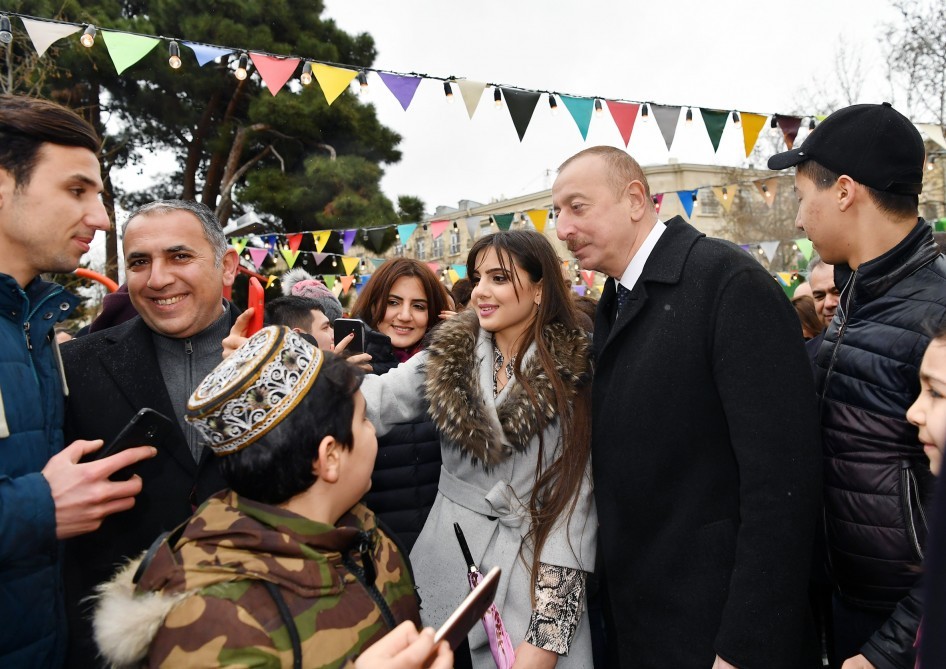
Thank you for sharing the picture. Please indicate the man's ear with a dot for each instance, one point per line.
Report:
(847, 190)
(637, 196)
(230, 262)
(328, 465)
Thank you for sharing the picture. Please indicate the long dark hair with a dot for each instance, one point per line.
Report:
(555, 492)
(372, 303)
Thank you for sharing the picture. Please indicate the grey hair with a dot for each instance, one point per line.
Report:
(814, 262)
(213, 231)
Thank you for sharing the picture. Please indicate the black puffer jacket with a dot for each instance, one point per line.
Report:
(407, 468)
(876, 477)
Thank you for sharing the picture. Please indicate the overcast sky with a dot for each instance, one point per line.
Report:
(725, 54)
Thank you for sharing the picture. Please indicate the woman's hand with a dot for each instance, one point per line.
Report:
(446, 313)
(533, 657)
(406, 648)
(361, 360)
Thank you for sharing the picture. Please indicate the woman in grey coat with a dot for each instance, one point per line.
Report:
(507, 384)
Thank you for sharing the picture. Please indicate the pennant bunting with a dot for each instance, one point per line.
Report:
(434, 267)
(769, 248)
(715, 122)
(804, 245)
(274, 70)
(333, 80)
(350, 264)
(789, 126)
(44, 33)
(588, 276)
(376, 239)
(346, 283)
(503, 221)
(472, 92)
(127, 49)
(521, 106)
(658, 201)
(767, 189)
(270, 241)
(402, 86)
(933, 131)
(321, 239)
(752, 125)
(460, 270)
(725, 195)
(269, 281)
(624, 115)
(204, 53)
(687, 199)
(239, 243)
(377, 262)
(405, 230)
(539, 218)
(329, 280)
(452, 273)
(473, 227)
(437, 228)
(258, 256)
(337, 289)
(581, 110)
(667, 118)
(580, 290)
(290, 256)
(294, 240)
(320, 257)
(745, 247)
(348, 238)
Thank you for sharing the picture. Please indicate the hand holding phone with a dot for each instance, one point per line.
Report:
(344, 327)
(146, 428)
(465, 616)
(256, 299)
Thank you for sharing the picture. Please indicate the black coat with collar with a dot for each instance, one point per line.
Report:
(706, 462)
(112, 374)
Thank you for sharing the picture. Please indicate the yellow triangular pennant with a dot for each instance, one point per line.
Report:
(725, 195)
(321, 239)
(350, 264)
(538, 217)
(752, 125)
(333, 80)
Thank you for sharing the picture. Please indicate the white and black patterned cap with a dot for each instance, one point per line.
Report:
(253, 390)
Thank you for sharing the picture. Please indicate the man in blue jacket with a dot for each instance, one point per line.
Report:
(50, 210)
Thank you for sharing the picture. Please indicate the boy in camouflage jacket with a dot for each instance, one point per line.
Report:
(287, 568)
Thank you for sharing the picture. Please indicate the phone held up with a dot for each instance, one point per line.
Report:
(255, 300)
(471, 609)
(344, 327)
(146, 428)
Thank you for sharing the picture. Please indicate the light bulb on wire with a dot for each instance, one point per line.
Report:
(174, 55)
(689, 118)
(240, 72)
(599, 110)
(363, 81)
(448, 90)
(6, 29)
(306, 77)
(553, 105)
(88, 36)
(645, 112)
(735, 118)
(497, 97)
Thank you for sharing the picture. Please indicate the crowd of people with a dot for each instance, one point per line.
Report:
(693, 472)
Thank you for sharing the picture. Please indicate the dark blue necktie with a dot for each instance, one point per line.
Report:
(624, 296)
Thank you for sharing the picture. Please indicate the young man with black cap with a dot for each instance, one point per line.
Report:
(858, 177)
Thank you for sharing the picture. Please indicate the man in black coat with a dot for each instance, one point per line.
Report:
(858, 177)
(704, 442)
(177, 262)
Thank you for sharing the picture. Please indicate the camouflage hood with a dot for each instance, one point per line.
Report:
(229, 539)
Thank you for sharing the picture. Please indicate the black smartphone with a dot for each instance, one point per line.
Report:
(344, 327)
(471, 609)
(146, 428)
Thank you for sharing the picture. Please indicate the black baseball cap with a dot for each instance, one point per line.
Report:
(873, 144)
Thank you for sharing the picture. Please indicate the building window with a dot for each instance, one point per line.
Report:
(437, 251)
(421, 249)
(454, 242)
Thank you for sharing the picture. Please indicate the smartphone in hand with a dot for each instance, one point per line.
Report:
(471, 610)
(256, 300)
(345, 326)
(146, 428)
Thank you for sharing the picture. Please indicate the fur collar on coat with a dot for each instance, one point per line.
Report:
(457, 405)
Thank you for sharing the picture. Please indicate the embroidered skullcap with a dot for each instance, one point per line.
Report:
(253, 390)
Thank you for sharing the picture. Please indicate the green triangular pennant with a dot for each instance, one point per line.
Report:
(503, 220)
(126, 49)
(715, 122)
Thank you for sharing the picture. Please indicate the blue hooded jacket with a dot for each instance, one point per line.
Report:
(32, 620)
